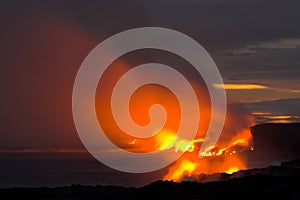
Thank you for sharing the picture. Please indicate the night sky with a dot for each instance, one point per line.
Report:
(255, 44)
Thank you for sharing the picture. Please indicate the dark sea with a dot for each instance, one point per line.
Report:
(64, 169)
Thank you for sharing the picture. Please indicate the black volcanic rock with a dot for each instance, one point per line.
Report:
(276, 141)
(293, 163)
(267, 183)
(250, 187)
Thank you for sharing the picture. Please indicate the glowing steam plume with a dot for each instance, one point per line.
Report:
(222, 157)
(148, 115)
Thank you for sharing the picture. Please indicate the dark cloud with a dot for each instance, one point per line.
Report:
(265, 65)
(216, 24)
(241, 52)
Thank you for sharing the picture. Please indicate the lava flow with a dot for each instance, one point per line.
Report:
(219, 158)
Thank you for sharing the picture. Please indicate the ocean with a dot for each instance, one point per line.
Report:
(64, 169)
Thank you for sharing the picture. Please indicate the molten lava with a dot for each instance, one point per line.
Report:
(223, 157)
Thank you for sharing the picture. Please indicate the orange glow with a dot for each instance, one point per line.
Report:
(185, 167)
(232, 170)
(240, 86)
(165, 140)
(187, 146)
(281, 121)
(140, 103)
(279, 117)
(190, 165)
(133, 141)
(222, 157)
(239, 141)
(261, 113)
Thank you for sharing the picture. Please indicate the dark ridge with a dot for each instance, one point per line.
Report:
(293, 163)
(251, 187)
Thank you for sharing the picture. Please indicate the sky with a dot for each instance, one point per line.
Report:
(255, 44)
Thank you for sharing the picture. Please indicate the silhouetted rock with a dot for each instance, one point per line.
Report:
(276, 141)
(292, 163)
(271, 182)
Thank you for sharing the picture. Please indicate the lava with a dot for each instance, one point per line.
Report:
(222, 157)
(215, 159)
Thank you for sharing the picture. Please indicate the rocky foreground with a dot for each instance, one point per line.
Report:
(252, 187)
(272, 182)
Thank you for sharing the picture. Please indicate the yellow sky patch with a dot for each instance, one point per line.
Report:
(240, 86)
